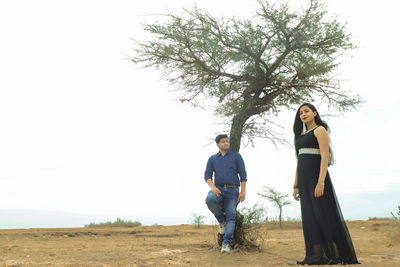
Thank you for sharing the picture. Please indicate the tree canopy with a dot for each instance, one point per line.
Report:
(252, 68)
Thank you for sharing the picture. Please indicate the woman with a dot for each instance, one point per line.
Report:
(327, 239)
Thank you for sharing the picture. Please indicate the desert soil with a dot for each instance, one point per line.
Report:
(376, 242)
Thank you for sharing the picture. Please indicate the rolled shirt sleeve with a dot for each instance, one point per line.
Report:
(241, 168)
(209, 170)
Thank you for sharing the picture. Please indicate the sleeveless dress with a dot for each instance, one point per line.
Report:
(327, 239)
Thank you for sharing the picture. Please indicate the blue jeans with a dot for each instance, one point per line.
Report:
(229, 196)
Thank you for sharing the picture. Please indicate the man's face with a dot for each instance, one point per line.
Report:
(223, 144)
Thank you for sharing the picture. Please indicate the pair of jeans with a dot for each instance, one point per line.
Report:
(229, 197)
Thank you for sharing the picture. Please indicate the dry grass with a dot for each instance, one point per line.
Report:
(376, 243)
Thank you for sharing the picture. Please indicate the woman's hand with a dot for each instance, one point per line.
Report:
(296, 194)
(319, 190)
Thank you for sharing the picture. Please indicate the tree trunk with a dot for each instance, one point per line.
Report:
(235, 138)
(238, 235)
(280, 217)
(236, 133)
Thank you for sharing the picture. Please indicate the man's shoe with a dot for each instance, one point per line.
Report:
(225, 248)
(221, 229)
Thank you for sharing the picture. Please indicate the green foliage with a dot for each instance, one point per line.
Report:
(253, 215)
(251, 68)
(118, 223)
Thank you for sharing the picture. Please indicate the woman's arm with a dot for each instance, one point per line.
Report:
(323, 141)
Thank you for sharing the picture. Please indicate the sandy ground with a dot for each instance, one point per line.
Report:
(377, 243)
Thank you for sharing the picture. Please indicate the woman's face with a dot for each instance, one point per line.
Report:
(306, 114)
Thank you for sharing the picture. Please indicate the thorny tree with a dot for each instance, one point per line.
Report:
(278, 199)
(252, 68)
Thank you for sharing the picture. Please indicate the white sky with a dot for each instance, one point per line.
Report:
(86, 135)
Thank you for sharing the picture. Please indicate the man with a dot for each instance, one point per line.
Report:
(226, 165)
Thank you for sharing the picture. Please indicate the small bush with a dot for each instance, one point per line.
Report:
(254, 215)
(254, 233)
(379, 218)
(397, 215)
(197, 220)
(290, 219)
(118, 223)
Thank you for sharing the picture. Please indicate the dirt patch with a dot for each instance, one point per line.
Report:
(376, 244)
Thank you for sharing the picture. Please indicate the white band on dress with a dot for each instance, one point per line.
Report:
(306, 150)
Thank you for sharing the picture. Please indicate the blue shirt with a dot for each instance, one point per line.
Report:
(226, 168)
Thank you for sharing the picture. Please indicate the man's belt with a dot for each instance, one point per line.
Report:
(229, 186)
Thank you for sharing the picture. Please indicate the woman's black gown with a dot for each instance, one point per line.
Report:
(327, 239)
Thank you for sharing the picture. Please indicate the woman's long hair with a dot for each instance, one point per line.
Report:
(298, 128)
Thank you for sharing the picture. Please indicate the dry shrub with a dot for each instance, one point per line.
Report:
(249, 231)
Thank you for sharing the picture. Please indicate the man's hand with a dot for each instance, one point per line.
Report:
(242, 196)
(216, 191)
